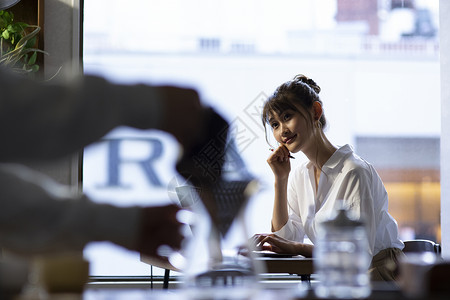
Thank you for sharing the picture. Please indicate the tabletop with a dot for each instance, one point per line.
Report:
(275, 264)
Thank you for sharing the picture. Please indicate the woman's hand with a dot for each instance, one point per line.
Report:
(279, 162)
(275, 243)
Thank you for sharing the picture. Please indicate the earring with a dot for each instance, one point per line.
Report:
(319, 124)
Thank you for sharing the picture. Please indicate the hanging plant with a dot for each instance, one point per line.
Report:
(17, 44)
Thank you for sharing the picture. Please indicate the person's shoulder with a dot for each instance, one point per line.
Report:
(355, 163)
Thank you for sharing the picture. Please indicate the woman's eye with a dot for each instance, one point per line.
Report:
(287, 116)
(274, 125)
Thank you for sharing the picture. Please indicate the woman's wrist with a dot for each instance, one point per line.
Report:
(297, 248)
(303, 249)
(280, 182)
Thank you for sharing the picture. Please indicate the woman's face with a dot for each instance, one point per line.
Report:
(291, 129)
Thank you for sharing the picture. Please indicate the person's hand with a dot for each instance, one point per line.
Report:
(183, 114)
(159, 227)
(275, 243)
(279, 162)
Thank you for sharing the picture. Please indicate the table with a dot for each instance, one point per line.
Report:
(298, 265)
(166, 265)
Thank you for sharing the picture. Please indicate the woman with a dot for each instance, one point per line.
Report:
(315, 189)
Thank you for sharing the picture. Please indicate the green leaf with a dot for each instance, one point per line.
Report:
(7, 17)
(19, 39)
(3, 22)
(22, 25)
(32, 59)
(31, 42)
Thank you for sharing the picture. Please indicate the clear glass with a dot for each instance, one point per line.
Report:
(217, 262)
(342, 262)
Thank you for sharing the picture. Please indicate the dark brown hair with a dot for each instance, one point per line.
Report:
(301, 91)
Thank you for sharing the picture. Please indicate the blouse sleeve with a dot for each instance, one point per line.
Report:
(357, 192)
(293, 230)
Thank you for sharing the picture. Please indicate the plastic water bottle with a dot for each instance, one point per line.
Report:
(342, 258)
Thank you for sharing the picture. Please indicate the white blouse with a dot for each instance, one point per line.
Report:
(345, 176)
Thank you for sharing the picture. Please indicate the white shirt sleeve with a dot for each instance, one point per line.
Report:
(293, 230)
(39, 215)
(356, 189)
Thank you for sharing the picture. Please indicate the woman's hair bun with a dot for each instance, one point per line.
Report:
(308, 81)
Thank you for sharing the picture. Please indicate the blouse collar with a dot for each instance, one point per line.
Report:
(336, 160)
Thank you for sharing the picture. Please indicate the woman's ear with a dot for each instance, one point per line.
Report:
(317, 109)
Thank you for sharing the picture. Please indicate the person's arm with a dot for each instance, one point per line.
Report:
(54, 120)
(280, 211)
(39, 216)
(281, 166)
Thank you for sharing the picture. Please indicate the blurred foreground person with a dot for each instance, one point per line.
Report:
(46, 121)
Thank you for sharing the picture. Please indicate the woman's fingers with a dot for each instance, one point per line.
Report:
(285, 152)
(275, 244)
(255, 240)
(271, 242)
(281, 154)
(279, 162)
(258, 240)
(266, 242)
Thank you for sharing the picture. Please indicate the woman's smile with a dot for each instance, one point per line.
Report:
(290, 139)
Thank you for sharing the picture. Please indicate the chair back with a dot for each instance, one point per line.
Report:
(415, 246)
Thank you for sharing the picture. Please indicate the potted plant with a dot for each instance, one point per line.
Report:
(17, 44)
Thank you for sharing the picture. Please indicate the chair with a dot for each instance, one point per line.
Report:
(415, 246)
(421, 278)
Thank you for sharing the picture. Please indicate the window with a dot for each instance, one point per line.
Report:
(410, 170)
(376, 61)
